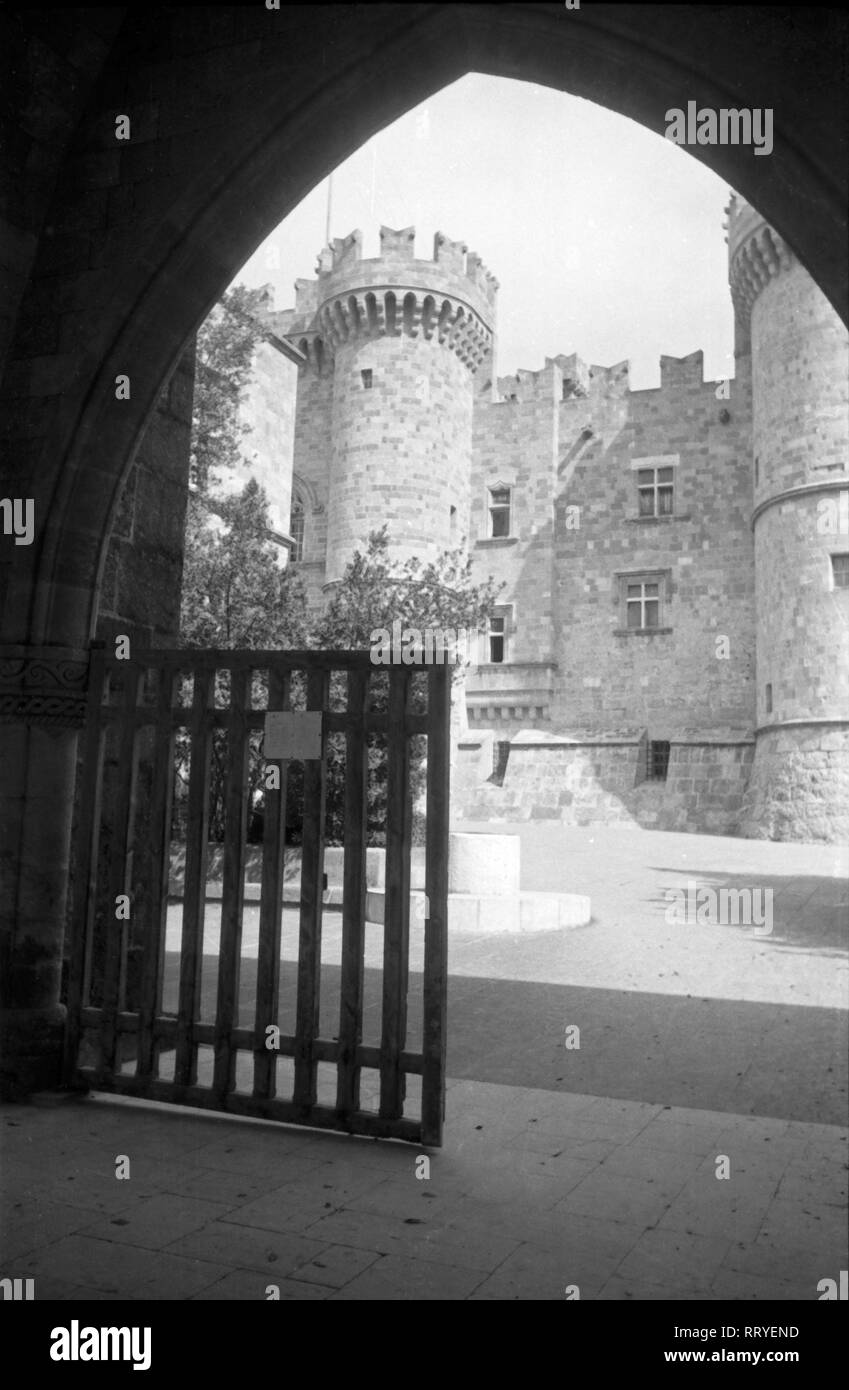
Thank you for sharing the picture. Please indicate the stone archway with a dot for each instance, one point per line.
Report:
(236, 117)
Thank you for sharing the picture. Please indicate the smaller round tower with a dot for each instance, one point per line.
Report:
(799, 785)
(406, 339)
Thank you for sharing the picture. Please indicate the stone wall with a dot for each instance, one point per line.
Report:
(142, 574)
(551, 778)
(799, 786)
(695, 671)
(800, 384)
(401, 449)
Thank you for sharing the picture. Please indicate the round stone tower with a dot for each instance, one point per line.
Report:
(799, 785)
(407, 338)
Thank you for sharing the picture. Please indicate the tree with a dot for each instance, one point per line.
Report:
(235, 595)
(226, 344)
(374, 593)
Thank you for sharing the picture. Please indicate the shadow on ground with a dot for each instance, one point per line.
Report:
(781, 1060)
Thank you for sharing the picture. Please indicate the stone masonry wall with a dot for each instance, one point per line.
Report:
(142, 575)
(548, 779)
(515, 445)
(401, 449)
(799, 788)
(564, 439)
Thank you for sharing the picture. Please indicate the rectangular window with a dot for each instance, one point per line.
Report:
(497, 639)
(367, 379)
(296, 531)
(654, 491)
(769, 699)
(657, 760)
(642, 603)
(499, 512)
(840, 571)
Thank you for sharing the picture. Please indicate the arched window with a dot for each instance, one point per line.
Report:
(296, 528)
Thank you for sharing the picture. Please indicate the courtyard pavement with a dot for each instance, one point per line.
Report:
(703, 1049)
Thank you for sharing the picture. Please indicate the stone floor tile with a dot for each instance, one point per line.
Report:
(466, 1244)
(157, 1221)
(640, 1201)
(709, 1207)
(41, 1224)
(125, 1271)
(225, 1243)
(620, 1289)
(397, 1277)
(336, 1266)
(247, 1285)
(730, 1285)
(674, 1259)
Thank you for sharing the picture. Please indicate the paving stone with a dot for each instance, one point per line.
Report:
(214, 1185)
(226, 1243)
(246, 1286)
(255, 1157)
(462, 1242)
(336, 1266)
(297, 1206)
(125, 1271)
(674, 1259)
(619, 1288)
(711, 1207)
(730, 1285)
(396, 1278)
(641, 1201)
(156, 1221)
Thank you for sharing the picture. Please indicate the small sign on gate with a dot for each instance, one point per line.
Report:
(292, 734)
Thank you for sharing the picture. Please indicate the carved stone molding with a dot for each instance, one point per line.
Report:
(43, 686)
(759, 259)
(382, 312)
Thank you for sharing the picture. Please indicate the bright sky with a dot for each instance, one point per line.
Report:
(606, 239)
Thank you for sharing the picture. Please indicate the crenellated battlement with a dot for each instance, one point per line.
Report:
(383, 313)
(450, 299)
(569, 378)
(756, 254)
(453, 269)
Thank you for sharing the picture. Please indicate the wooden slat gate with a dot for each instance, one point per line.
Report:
(164, 998)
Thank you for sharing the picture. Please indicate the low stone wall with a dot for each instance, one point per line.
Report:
(554, 778)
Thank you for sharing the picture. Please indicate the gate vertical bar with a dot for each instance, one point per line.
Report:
(396, 939)
(159, 830)
(194, 883)
(233, 888)
(436, 891)
(85, 902)
(118, 875)
(353, 897)
(312, 875)
(270, 910)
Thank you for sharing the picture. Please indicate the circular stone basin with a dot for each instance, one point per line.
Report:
(484, 864)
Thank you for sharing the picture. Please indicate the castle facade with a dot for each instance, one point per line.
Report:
(672, 644)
